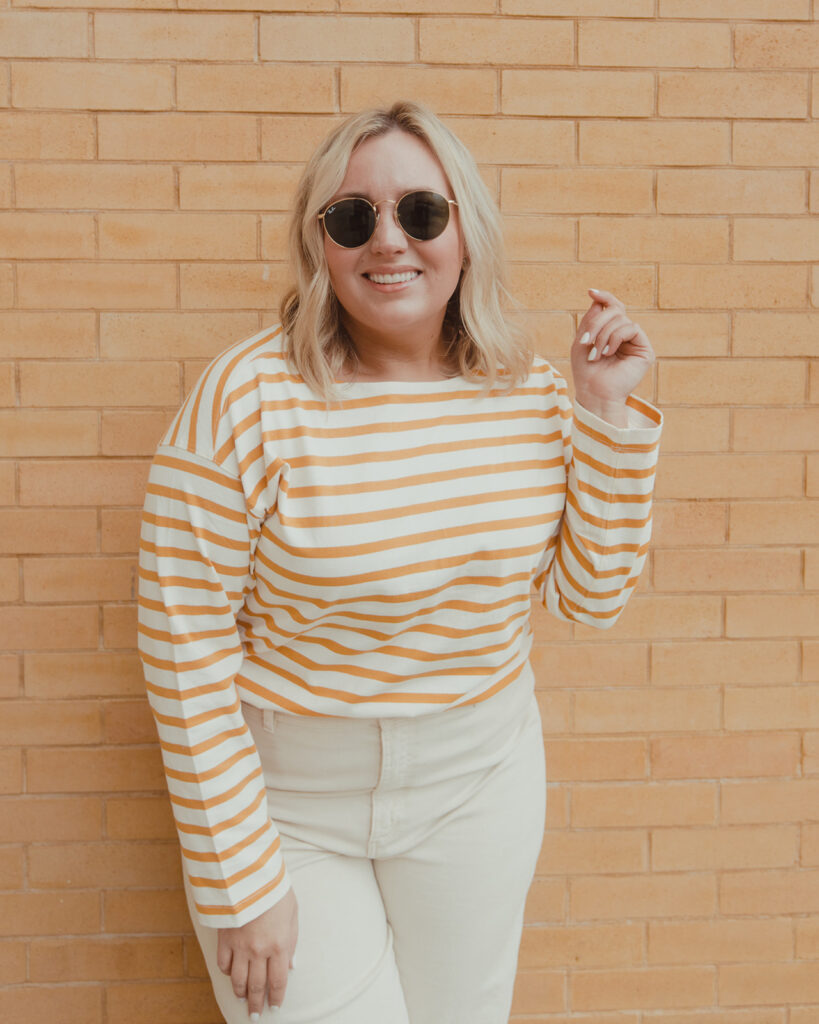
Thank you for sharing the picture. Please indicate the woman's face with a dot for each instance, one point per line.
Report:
(387, 167)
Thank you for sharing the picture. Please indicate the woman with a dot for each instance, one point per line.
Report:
(342, 529)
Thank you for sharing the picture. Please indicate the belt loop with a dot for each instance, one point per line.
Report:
(268, 719)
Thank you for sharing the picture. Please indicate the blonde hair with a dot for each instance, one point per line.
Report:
(484, 344)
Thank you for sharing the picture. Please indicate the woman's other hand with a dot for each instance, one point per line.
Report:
(610, 357)
(258, 955)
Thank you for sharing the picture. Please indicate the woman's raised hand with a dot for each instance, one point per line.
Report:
(610, 357)
(258, 955)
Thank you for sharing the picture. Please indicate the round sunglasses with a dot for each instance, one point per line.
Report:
(351, 222)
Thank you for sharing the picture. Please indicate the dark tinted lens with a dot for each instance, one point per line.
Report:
(350, 222)
(423, 215)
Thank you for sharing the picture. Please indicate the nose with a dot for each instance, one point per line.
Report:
(388, 236)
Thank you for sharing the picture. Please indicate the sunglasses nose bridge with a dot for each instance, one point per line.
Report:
(397, 223)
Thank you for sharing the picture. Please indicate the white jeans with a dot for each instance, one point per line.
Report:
(411, 844)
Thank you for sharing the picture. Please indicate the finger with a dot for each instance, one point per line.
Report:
(238, 975)
(605, 298)
(256, 987)
(277, 978)
(592, 325)
(613, 329)
(224, 954)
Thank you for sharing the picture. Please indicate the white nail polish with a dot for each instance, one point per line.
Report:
(592, 354)
(254, 1017)
(605, 350)
(585, 339)
(595, 290)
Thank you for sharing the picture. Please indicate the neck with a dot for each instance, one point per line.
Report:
(397, 357)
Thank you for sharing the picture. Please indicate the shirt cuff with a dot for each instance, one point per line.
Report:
(645, 423)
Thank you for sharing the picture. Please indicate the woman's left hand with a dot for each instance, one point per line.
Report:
(610, 356)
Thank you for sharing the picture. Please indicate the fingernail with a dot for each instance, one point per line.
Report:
(592, 354)
(585, 339)
(254, 1016)
(605, 350)
(595, 290)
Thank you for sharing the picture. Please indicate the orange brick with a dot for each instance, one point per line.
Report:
(133, 433)
(589, 664)
(538, 990)
(717, 849)
(652, 987)
(414, 6)
(106, 959)
(120, 531)
(732, 94)
(771, 615)
(172, 36)
(807, 938)
(581, 8)
(139, 818)
(47, 136)
(539, 238)
(7, 387)
(112, 865)
(177, 236)
(128, 721)
(226, 186)
(591, 853)
(652, 44)
(38, 723)
(779, 430)
(119, 626)
(46, 235)
(175, 136)
(155, 911)
(555, 711)
(759, 238)
(11, 867)
(751, 569)
(13, 957)
(171, 1003)
(747, 286)
(27, 433)
(79, 579)
(778, 143)
(775, 334)
(288, 88)
(67, 1003)
(668, 142)
(709, 757)
(534, 190)
(36, 34)
(89, 185)
(772, 10)
(695, 430)
(656, 895)
(11, 771)
(660, 239)
(171, 335)
(730, 191)
(786, 801)
(768, 983)
(85, 85)
(654, 617)
(48, 628)
(288, 137)
(111, 770)
(737, 662)
(195, 966)
(502, 140)
(8, 487)
(9, 676)
(86, 482)
(752, 382)
(595, 760)
(643, 805)
(543, 285)
(810, 661)
(92, 674)
(105, 383)
(638, 710)
(103, 285)
(581, 947)
(445, 90)
(812, 569)
(686, 334)
(232, 285)
(496, 41)
(45, 913)
(776, 46)
(810, 845)
(776, 707)
(720, 941)
(578, 93)
(38, 819)
(9, 580)
(810, 753)
(334, 38)
(785, 522)
(45, 335)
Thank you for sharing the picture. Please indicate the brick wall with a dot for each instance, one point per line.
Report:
(661, 149)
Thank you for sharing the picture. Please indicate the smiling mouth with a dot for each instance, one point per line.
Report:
(408, 275)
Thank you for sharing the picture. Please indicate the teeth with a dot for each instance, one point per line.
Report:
(408, 275)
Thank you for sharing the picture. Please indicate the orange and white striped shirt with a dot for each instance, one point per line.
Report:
(376, 558)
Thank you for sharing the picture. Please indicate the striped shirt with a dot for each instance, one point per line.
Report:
(376, 558)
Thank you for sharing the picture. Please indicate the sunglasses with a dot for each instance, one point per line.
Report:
(421, 215)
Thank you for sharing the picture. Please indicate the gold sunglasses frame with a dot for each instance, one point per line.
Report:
(375, 206)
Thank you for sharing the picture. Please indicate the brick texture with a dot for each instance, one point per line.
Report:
(662, 149)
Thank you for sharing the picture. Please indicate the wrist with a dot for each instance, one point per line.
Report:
(613, 411)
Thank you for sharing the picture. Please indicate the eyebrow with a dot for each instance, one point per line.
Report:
(368, 195)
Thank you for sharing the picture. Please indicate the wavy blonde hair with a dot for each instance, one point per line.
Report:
(482, 342)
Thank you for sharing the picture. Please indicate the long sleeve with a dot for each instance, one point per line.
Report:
(195, 562)
(590, 570)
